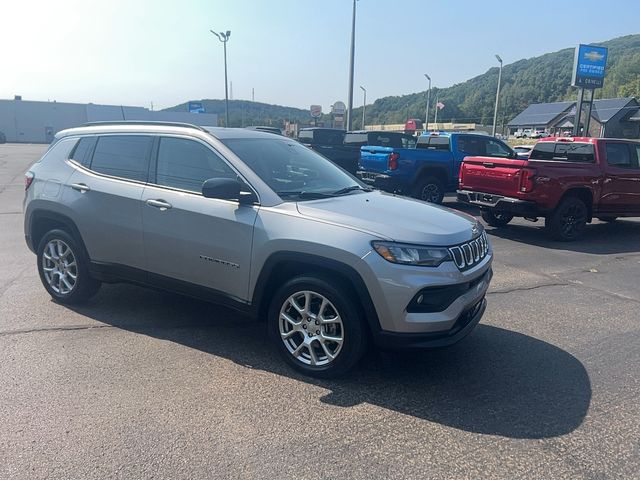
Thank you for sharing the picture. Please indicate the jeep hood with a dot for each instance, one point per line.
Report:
(393, 217)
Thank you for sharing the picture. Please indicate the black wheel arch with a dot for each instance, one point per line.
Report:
(584, 194)
(283, 265)
(41, 221)
(430, 170)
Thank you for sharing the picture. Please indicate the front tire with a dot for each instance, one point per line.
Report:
(496, 219)
(568, 221)
(429, 189)
(317, 327)
(63, 268)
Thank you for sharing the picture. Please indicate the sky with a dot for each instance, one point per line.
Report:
(290, 52)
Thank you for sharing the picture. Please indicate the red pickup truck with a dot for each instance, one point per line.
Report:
(568, 181)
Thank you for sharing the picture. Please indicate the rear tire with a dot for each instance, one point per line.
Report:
(568, 221)
(317, 327)
(64, 268)
(429, 189)
(496, 219)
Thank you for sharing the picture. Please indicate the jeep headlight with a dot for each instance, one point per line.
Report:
(407, 254)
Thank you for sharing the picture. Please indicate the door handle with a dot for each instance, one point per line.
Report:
(161, 204)
(81, 187)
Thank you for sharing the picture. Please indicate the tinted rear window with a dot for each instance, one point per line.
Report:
(433, 143)
(356, 139)
(124, 156)
(305, 136)
(82, 151)
(563, 152)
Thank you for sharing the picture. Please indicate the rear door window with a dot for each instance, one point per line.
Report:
(620, 155)
(81, 153)
(124, 156)
(186, 164)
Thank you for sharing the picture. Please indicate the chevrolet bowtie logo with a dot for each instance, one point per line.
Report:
(593, 56)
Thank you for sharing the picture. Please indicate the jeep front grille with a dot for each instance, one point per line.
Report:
(470, 254)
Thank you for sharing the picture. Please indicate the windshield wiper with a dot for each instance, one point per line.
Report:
(303, 194)
(352, 188)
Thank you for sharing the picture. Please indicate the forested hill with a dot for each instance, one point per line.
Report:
(245, 112)
(545, 78)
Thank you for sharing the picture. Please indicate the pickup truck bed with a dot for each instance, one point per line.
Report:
(430, 169)
(568, 181)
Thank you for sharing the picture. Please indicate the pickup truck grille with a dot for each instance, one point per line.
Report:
(470, 254)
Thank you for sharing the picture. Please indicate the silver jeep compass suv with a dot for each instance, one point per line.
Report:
(259, 223)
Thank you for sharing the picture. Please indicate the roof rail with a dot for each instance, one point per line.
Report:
(143, 122)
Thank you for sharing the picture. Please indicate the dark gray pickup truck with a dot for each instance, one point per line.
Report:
(343, 148)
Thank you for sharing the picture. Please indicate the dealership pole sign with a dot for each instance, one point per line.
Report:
(196, 107)
(589, 66)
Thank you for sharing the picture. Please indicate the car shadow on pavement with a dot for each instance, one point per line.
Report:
(495, 382)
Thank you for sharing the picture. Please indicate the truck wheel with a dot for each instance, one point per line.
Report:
(496, 219)
(317, 327)
(607, 219)
(568, 220)
(429, 189)
(63, 269)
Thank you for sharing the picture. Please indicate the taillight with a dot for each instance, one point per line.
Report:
(461, 175)
(527, 176)
(392, 162)
(28, 180)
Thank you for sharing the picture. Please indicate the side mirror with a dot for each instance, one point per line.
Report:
(226, 189)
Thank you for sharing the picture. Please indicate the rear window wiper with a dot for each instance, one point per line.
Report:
(352, 188)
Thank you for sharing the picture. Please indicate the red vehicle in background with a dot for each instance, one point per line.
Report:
(413, 125)
(568, 181)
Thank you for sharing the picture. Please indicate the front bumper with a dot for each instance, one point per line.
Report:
(410, 341)
(499, 203)
(423, 306)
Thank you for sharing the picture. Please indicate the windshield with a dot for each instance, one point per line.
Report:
(292, 170)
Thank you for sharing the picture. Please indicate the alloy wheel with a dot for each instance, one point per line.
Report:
(430, 193)
(311, 328)
(60, 267)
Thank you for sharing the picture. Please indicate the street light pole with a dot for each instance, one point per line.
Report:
(224, 38)
(426, 116)
(364, 106)
(353, 47)
(495, 111)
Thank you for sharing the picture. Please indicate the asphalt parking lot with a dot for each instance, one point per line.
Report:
(142, 384)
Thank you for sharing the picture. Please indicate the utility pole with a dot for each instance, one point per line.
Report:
(364, 106)
(253, 94)
(426, 116)
(495, 111)
(224, 38)
(576, 123)
(351, 58)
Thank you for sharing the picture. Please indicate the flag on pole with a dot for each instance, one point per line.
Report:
(439, 105)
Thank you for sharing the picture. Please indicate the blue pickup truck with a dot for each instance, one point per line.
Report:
(430, 169)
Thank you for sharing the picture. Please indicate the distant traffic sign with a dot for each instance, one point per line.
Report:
(316, 111)
(589, 66)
